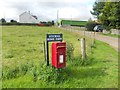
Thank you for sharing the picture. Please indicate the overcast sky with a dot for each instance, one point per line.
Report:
(47, 9)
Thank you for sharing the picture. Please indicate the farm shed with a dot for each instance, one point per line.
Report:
(71, 23)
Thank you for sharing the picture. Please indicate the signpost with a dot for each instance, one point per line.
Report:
(54, 37)
(50, 38)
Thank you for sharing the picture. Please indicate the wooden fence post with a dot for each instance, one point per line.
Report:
(83, 48)
(91, 45)
(44, 50)
(94, 38)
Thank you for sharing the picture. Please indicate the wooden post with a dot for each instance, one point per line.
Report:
(84, 33)
(94, 38)
(83, 48)
(44, 50)
(1, 56)
(91, 42)
(47, 53)
(47, 50)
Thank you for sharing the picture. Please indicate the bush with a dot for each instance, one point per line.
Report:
(2, 20)
(69, 51)
(90, 25)
(49, 74)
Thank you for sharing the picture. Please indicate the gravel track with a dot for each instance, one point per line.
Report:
(107, 39)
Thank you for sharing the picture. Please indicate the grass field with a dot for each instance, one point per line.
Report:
(24, 66)
(112, 35)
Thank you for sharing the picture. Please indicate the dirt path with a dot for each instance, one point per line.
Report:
(107, 39)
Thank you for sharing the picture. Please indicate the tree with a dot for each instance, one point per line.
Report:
(90, 25)
(111, 15)
(108, 13)
(3, 20)
(105, 14)
(53, 23)
(97, 8)
(13, 21)
(118, 15)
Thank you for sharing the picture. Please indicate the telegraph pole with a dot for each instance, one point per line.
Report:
(57, 16)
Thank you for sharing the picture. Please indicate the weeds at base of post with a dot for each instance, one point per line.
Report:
(81, 62)
(50, 74)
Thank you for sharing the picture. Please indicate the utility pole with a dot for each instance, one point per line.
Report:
(57, 16)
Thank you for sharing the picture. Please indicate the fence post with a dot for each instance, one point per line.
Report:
(91, 44)
(44, 50)
(83, 48)
(94, 38)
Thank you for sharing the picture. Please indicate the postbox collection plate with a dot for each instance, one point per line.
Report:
(61, 59)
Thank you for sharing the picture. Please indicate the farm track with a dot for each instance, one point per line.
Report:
(107, 39)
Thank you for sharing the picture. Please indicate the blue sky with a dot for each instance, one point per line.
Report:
(47, 9)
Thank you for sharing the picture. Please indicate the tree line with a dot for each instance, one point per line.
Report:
(2, 20)
(14, 22)
(107, 13)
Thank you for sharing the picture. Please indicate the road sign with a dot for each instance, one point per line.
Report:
(54, 37)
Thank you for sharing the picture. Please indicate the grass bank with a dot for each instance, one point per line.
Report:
(24, 66)
(112, 35)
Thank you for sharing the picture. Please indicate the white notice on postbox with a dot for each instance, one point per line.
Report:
(61, 58)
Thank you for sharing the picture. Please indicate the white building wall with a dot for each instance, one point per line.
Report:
(27, 18)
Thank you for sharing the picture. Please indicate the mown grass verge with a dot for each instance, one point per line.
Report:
(112, 35)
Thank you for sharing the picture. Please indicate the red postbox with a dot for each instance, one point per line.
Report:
(59, 54)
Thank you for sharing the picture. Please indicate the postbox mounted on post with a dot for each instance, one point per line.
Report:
(59, 54)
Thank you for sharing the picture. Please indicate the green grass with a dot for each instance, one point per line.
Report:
(23, 53)
(112, 35)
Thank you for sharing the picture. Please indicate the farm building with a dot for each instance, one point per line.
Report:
(27, 17)
(71, 23)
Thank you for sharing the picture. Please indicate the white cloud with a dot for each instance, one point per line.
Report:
(47, 9)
